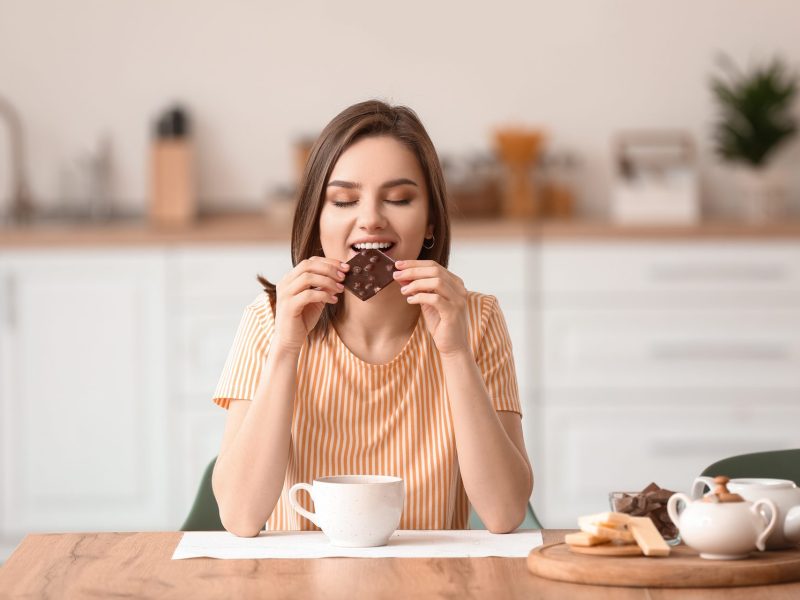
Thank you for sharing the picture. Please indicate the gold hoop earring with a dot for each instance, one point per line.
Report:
(433, 243)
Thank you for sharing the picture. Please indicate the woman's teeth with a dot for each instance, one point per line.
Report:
(373, 245)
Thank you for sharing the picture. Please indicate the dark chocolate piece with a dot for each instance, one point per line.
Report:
(650, 502)
(370, 271)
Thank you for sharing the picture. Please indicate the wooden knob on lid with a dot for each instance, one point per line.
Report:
(721, 493)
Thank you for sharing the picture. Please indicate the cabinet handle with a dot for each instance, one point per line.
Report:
(719, 272)
(719, 351)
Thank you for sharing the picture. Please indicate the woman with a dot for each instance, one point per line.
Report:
(417, 382)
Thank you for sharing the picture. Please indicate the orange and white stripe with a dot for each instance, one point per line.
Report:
(352, 417)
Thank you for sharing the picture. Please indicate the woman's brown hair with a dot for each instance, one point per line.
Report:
(365, 119)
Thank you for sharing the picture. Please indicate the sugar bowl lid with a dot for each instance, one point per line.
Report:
(721, 493)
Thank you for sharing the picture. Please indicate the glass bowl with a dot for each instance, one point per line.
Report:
(626, 502)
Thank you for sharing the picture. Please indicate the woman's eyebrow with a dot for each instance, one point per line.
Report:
(345, 184)
(351, 185)
(396, 182)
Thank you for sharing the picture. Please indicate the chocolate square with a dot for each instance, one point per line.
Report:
(370, 271)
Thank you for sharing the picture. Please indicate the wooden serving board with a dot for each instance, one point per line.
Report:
(608, 550)
(683, 568)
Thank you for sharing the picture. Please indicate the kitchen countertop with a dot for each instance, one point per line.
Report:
(255, 228)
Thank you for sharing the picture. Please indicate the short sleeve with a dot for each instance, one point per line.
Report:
(495, 357)
(246, 357)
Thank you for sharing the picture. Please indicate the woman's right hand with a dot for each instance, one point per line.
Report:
(302, 295)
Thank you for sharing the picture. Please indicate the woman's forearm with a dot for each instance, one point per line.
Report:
(249, 474)
(497, 478)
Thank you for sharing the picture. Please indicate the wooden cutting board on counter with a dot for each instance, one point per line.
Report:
(683, 568)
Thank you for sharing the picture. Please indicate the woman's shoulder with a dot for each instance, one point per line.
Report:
(480, 307)
(478, 299)
(261, 309)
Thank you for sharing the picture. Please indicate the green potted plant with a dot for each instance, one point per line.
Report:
(754, 120)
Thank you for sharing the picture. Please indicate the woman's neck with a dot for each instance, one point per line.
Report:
(382, 321)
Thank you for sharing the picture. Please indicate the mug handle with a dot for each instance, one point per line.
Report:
(672, 507)
(699, 485)
(758, 504)
(296, 505)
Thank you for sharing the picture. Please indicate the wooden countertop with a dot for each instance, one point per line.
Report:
(139, 565)
(256, 229)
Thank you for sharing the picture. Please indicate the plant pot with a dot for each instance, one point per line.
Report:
(761, 193)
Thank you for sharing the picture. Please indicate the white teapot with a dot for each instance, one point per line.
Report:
(722, 525)
(783, 492)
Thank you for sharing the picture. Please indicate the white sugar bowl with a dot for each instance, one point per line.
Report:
(721, 525)
(783, 492)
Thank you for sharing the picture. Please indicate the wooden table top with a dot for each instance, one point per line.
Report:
(139, 565)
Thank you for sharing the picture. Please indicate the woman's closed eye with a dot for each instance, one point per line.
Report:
(398, 202)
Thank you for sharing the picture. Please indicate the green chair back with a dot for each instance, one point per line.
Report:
(530, 522)
(204, 515)
(777, 464)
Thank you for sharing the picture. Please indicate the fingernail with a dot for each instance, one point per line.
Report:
(340, 274)
(396, 274)
(399, 263)
(339, 286)
(344, 265)
(404, 289)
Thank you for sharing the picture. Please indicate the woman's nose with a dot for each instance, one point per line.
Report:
(371, 216)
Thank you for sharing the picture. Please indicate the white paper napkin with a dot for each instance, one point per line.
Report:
(314, 544)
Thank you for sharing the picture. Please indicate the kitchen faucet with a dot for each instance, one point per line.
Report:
(21, 206)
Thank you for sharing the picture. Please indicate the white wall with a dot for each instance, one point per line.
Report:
(257, 74)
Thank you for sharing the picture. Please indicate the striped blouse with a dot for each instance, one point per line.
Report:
(353, 417)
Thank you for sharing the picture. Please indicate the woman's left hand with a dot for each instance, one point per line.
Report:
(442, 298)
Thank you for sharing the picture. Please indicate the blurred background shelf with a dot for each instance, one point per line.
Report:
(255, 228)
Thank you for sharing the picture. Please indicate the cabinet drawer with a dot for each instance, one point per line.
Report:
(591, 451)
(687, 268)
(673, 349)
(204, 340)
(224, 274)
(497, 268)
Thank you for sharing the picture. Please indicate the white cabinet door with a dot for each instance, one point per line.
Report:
(209, 288)
(613, 443)
(83, 392)
(659, 359)
(662, 274)
(686, 347)
(508, 269)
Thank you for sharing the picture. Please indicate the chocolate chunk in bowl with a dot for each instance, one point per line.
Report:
(650, 502)
(370, 271)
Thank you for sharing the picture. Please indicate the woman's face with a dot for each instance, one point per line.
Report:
(376, 194)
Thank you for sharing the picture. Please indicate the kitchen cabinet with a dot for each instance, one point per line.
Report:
(609, 440)
(207, 290)
(83, 393)
(637, 361)
(661, 358)
(507, 270)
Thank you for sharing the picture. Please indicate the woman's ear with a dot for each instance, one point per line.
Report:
(429, 231)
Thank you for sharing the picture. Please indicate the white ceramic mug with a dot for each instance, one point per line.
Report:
(355, 511)
(783, 492)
